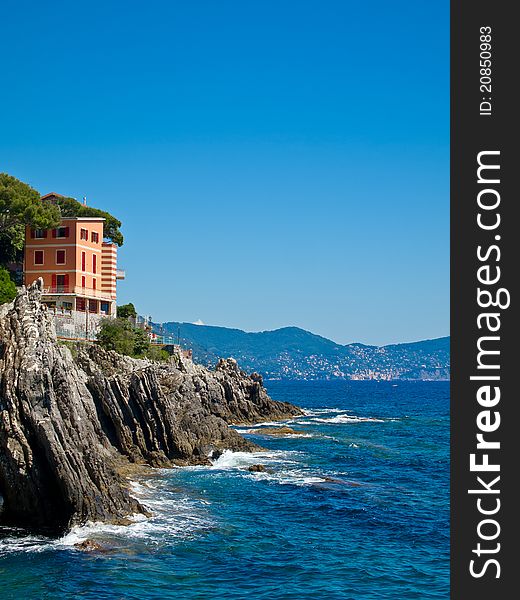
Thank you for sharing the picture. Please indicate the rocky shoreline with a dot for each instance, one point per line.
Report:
(76, 422)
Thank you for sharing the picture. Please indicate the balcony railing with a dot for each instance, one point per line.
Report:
(120, 274)
(76, 290)
(163, 340)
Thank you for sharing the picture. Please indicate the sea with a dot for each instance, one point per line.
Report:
(354, 506)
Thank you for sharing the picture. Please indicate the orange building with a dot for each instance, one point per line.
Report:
(78, 268)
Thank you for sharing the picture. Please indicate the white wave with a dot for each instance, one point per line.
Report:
(238, 460)
(282, 467)
(29, 543)
(99, 531)
(292, 478)
(175, 516)
(315, 412)
(349, 419)
(300, 477)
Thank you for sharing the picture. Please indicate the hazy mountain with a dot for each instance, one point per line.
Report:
(293, 353)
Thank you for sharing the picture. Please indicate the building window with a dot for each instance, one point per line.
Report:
(94, 263)
(83, 261)
(83, 235)
(105, 308)
(83, 281)
(61, 283)
(61, 232)
(95, 237)
(38, 257)
(80, 304)
(60, 257)
(93, 284)
(67, 305)
(39, 234)
(92, 306)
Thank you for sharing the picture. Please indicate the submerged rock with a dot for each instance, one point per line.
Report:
(90, 546)
(258, 469)
(279, 431)
(69, 428)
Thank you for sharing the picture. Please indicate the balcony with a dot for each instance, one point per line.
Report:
(76, 290)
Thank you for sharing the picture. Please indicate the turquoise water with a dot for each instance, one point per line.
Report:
(356, 508)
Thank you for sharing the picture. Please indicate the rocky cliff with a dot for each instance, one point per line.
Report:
(72, 421)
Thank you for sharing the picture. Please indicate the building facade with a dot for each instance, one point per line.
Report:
(79, 272)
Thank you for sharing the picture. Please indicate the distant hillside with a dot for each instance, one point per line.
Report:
(293, 353)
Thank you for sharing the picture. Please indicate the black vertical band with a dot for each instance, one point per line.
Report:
(484, 124)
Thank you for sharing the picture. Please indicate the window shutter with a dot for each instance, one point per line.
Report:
(53, 282)
(66, 231)
(54, 233)
(44, 233)
(33, 233)
(66, 282)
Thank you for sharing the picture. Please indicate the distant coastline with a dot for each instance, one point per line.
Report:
(291, 353)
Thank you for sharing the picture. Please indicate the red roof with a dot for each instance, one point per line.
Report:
(52, 195)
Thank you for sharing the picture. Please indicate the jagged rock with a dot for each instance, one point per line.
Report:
(67, 425)
(55, 461)
(162, 415)
(257, 469)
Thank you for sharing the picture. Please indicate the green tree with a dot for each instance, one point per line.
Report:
(20, 206)
(111, 227)
(118, 335)
(126, 310)
(141, 342)
(7, 287)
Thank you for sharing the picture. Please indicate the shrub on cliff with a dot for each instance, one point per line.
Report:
(157, 353)
(119, 335)
(7, 287)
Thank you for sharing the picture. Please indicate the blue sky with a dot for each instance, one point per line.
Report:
(274, 162)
